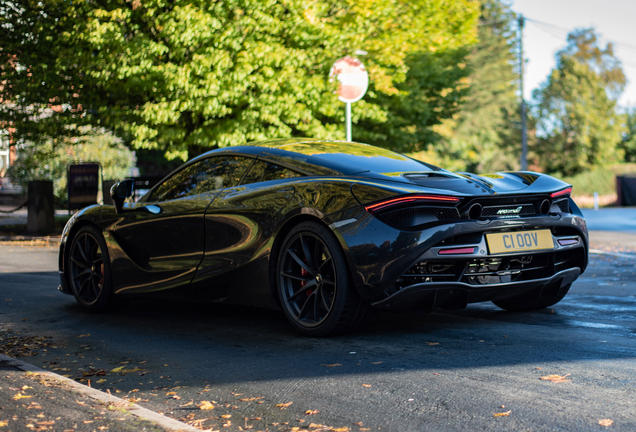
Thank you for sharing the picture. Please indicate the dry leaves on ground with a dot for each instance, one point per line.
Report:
(13, 345)
(556, 378)
(503, 414)
(205, 405)
(605, 422)
(284, 405)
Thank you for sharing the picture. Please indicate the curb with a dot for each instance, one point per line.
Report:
(167, 423)
(616, 254)
(26, 239)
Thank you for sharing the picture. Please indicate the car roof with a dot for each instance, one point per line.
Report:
(342, 157)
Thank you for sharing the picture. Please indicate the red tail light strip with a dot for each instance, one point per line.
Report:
(566, 191)
(410, 198)
(460, 251)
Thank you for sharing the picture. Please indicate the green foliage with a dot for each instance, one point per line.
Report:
(49, 160)
(579, 127)
(484, 136)
(628, 143)
(186, 75)
(600, 179)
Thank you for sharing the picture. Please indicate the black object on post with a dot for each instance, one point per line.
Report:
(82, 184)
(41, 211)
(626, 191)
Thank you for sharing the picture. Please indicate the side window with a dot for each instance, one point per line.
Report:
(264, 171)
(203, 176)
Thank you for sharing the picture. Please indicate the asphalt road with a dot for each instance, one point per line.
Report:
(621, 219)
(449, 371)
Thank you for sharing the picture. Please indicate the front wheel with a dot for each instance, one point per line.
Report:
(88, 268)
(314, 284)
(522, 303)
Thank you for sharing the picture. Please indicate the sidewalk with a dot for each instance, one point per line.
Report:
(37, 400)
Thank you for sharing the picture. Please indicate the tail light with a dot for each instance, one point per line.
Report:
(562, 193)
(411, 199)
(412, 211)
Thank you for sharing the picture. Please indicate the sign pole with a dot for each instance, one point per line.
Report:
(348, 120)
(353, 81)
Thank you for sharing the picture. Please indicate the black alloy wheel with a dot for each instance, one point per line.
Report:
(89, 269)
(314, 284)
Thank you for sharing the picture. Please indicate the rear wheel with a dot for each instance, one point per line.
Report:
(314, 284)
(523, 303)
(89, 272)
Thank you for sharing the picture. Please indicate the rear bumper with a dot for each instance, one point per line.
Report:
(457, 294)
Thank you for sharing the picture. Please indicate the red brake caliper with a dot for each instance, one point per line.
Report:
(304, 272)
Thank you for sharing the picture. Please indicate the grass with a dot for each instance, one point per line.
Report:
(601, 180)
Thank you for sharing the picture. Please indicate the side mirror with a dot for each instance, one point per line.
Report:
(120, 191)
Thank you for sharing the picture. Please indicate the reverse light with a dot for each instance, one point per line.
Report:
(566, 191)
(411, 199)
(458, 251)
(567, 242)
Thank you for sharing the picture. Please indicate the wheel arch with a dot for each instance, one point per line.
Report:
(278, 240)
(69, 239)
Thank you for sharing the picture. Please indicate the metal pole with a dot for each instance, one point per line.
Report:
(348, 120)
(524, 133)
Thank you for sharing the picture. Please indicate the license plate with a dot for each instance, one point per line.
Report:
(519, 241)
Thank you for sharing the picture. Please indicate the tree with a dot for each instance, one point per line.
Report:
(628, 143)
(187, 75)
(484, 135)
(579, 127)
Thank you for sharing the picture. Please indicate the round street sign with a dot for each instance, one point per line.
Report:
(352, 77)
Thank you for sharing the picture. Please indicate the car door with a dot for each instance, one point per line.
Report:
(165, 234)
(238, 221)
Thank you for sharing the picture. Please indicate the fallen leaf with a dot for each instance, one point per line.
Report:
(432, 343)
(101, 381)
(358, 424)
(311, 412)
(366, 385)
(342, 429)
(503, 414)
(556, 378)
(284, 405)
(251, 399)
(226, 416)
(205, 405)
(3, 423)
(376, 362)
(315, 425)
(331, 365)
(84, 335)
(118, 369)
(605, 422)
(21, 396)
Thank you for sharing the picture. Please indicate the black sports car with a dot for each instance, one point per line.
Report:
(329, 231)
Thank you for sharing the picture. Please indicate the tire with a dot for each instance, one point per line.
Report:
(314, 285)
(89, 271)
(522, 303)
